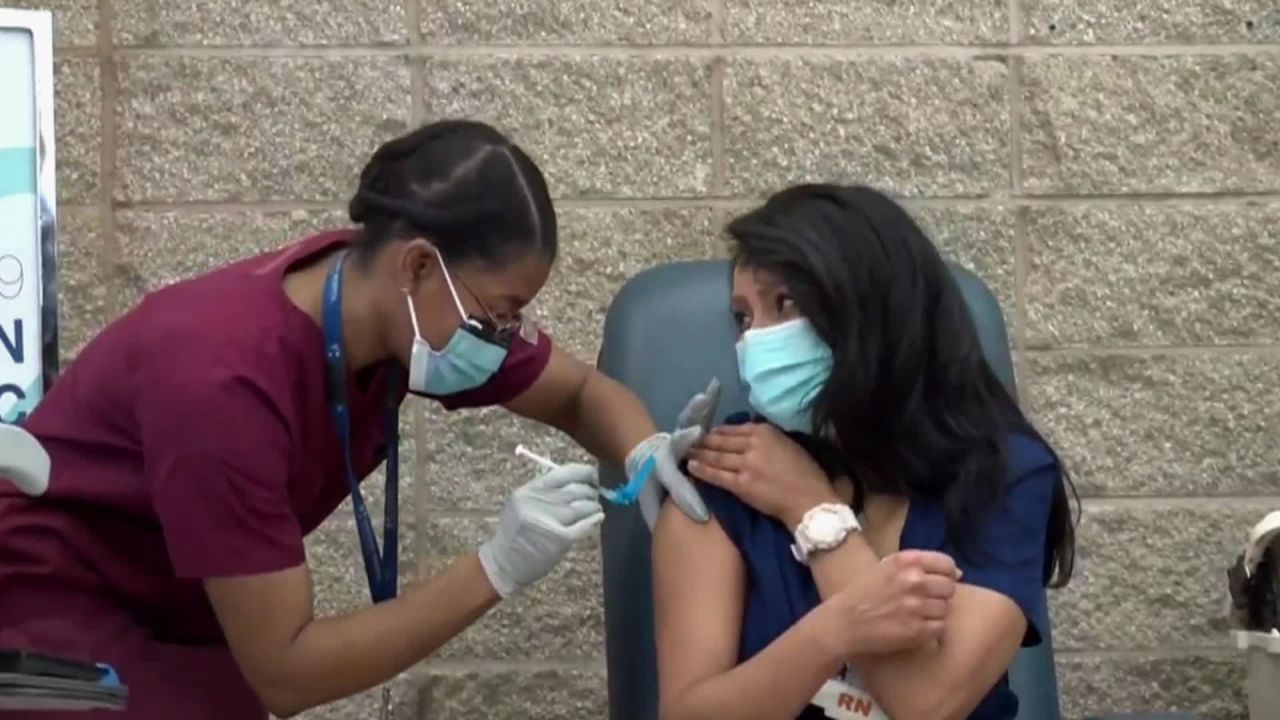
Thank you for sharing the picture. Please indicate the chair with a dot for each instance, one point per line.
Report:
(667, 332)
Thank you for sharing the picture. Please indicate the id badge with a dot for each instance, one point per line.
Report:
(841, 699)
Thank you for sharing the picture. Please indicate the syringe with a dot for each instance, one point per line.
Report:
(624, 495)
(544, 462)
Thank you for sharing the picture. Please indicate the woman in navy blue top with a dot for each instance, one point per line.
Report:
(886, 523)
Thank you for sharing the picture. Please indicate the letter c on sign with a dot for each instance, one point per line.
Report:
(14, 390)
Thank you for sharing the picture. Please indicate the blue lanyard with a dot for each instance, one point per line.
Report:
(382, 568)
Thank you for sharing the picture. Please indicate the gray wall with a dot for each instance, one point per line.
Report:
(1110, 166)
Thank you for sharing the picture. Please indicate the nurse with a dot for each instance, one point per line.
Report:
(198, 439)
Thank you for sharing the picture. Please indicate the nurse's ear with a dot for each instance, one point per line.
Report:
(416, 263)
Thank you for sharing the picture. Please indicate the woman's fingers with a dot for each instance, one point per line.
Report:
(928, 561)
(941, 587)
(935, 609)
(719, 477)
(743, 430)
(714, 458)
(724, 442)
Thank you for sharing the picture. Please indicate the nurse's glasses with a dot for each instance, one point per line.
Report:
(500, 332)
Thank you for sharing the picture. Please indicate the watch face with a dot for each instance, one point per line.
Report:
(824, 527)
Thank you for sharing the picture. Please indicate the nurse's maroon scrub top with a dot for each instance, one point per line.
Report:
(190, 439)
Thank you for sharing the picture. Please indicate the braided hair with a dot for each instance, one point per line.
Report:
(461, 184)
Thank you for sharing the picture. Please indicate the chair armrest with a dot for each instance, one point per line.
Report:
(22, 461)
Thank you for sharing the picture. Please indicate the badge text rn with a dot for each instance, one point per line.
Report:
(855, 704)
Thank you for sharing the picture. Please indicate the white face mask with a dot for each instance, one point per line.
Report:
(467, 361)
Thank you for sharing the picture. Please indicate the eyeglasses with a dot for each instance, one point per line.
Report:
(499, 331)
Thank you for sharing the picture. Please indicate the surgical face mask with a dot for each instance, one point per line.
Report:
(465, 363)
(785, 367)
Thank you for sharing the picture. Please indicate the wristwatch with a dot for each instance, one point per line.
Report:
(823, 527)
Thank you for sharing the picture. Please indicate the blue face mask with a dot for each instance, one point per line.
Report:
(785, 367)
(465, 363)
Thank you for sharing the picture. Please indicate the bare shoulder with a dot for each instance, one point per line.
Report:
(679, 539)
(693, 560)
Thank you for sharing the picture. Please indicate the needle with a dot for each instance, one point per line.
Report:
(544, 462)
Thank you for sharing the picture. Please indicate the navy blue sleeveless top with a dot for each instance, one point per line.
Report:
(1011, 548)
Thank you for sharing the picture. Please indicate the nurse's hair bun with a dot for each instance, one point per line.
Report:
(461, 184)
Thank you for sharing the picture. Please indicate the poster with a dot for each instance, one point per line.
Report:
(28, 289)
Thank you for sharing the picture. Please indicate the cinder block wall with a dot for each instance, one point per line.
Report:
(1112, 167)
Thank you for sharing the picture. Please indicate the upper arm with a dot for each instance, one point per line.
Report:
(261, 616)
(698, 585)
(217, 455)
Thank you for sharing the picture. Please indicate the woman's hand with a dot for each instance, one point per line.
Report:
(764, 468)
(905, 606)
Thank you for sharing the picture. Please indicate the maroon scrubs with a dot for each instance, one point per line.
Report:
(190, 439)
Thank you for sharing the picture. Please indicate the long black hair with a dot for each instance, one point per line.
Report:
(911, 403)
(461, 184)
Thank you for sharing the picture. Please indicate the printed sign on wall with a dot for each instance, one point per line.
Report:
(28, 292)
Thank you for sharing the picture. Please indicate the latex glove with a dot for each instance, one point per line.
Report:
(701, 409)
(538, 526)
(694, 422)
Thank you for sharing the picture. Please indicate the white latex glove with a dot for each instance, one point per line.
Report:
(694, 422)
(540, 523)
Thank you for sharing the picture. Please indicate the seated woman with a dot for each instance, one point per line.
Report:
(884, 530)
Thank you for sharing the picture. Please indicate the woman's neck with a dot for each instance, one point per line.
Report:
(361, 340)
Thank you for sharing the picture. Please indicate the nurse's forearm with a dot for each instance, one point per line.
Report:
(610, 420)
(340, 656)
(602, 415)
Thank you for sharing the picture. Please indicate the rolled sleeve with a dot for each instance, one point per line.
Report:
(1009, 557)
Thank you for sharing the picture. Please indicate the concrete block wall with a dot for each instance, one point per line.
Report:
(1112, 167)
